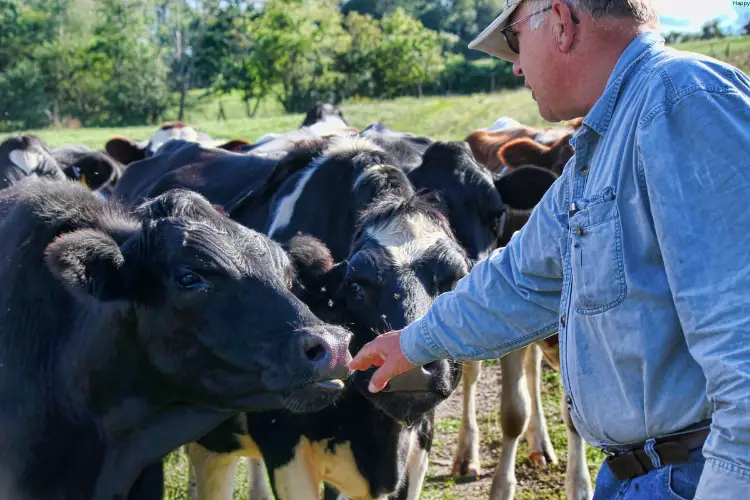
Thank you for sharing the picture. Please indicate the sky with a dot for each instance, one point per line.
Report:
(689, 15)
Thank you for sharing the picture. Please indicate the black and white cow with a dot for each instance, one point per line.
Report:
(124, 335)
(127, 151)
(25, 156)
(28, 156)
(323, 112)
(394, 253)
(484, 210)
(95, 169)
(406, 148)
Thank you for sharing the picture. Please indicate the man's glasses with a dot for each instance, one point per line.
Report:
(512, 37)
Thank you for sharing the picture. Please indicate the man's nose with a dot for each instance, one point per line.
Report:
(517, 68)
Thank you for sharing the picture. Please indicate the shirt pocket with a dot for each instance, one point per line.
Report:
(596, 256)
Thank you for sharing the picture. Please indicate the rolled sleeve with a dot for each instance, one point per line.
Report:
(699, 198)
(507, 301)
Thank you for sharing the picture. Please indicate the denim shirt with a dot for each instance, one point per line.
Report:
(639, 257)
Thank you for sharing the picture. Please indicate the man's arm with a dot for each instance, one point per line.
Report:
(695, 163)
(507, 301)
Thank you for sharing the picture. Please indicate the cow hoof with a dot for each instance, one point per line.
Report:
(467, 468)
(544, 457)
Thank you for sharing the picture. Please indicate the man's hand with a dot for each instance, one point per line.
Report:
(385, 352)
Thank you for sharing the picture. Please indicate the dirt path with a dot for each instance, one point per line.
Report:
(533, 482)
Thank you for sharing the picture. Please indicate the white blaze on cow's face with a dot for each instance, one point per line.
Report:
(26, 160)
(407, 239)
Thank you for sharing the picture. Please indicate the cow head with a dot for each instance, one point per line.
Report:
(525, 151)
(95, 169)
(521, 190)
(208, 303)
(322, 113)
(128, 151)
(26, 156)
(405, 148)
(403, 256)
(466, 193)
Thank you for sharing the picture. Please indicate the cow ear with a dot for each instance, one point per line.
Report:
(525, 151)
(89, 263)
(310, 257)
(124, 150)
(524, 187)
(176, 202)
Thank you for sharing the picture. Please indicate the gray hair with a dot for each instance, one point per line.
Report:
(643, 11)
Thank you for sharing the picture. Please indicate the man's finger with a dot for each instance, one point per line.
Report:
(383, 374)
(367, 357)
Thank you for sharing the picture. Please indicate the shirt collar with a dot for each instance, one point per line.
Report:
(601, 114)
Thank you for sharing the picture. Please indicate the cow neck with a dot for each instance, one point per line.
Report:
(122, 399)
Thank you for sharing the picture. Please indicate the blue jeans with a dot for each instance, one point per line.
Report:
(671, 482)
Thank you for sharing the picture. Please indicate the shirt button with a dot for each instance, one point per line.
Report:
(569, 400)
(580, 231)
(585, 171)
(563, 320)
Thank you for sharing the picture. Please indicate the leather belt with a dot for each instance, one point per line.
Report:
(671, 450)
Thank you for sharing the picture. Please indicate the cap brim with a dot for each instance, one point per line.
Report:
(491, 41)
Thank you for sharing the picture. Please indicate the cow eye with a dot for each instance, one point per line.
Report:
(191, 281)
(356, 292)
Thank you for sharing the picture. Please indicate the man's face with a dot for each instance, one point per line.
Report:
(539, 62)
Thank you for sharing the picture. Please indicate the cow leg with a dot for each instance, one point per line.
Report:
(214, 472)
(257, 488)
(514, 417)
(466, 461)
(541, 451)
(294, 481)
(577, 479)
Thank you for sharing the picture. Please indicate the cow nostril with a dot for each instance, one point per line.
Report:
(315, 353)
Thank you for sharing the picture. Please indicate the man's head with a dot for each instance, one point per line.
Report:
(566, 49)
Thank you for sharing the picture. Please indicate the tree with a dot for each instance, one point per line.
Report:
(711, 29)
(302, 40)
(409, 55)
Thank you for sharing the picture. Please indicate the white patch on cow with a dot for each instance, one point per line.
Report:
(416, 467)
(406, 239)
(504, 123)
(331, 126)
(345, 145)
(214, 472)
(314, 462)
(266, 138)
(285, 208)
(25, 160)
(368, 172)
(162, 136)
(551, 135)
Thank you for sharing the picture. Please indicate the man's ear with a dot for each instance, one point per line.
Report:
(564, 26)
(89, 263)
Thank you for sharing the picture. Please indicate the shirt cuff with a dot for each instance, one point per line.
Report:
(723, 481)
(417, 344)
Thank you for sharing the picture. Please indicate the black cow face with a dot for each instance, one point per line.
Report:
(26, 156)
(210, 303)
(403, 257)
(466, 193)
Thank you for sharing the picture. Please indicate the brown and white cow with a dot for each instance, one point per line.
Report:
(509, 147)
(509, 144)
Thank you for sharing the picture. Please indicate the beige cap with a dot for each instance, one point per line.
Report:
(491, 40)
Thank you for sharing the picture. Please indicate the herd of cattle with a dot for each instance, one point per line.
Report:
(186, 291)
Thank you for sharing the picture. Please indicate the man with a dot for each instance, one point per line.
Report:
(637, 255)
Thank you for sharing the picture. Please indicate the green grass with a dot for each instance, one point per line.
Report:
(443, 118)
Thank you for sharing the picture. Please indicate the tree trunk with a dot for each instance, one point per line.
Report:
(183, 92)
